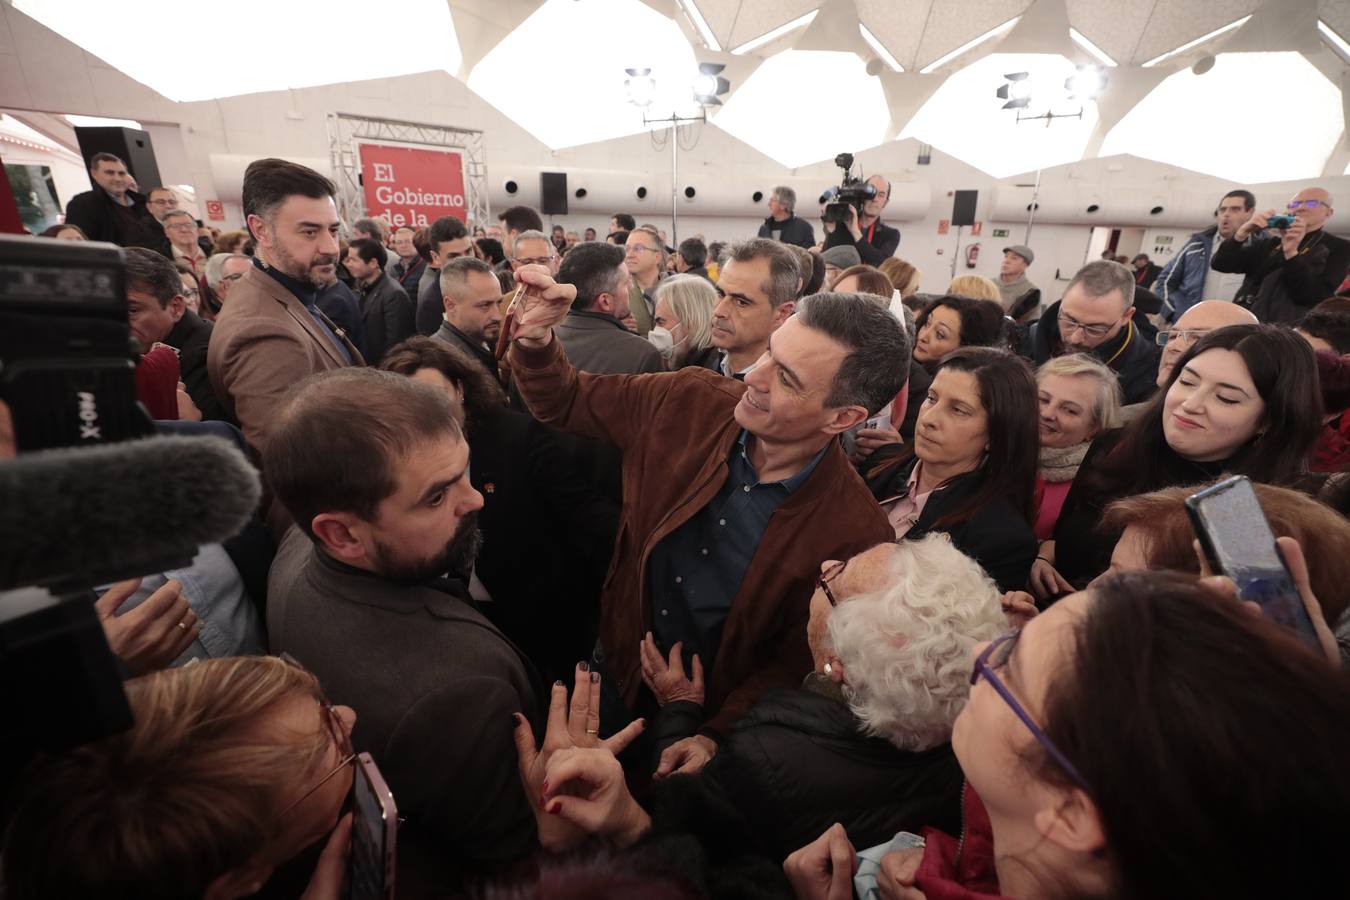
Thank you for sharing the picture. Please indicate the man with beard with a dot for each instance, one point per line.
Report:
(472, 313)
(368, 593)
(272, 333)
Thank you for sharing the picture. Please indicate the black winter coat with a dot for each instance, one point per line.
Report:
(387, 314)
(96, 214)
(797, 763)
(875, 246)
(1283, 290)
(1132, 354)
(996, 536)
(792, 230)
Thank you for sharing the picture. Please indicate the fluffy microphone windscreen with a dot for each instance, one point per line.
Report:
(89, 515)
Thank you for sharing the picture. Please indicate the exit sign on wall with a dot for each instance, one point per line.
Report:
(1000, 232)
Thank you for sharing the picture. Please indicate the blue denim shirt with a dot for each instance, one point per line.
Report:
(696, 570)
(212, 587)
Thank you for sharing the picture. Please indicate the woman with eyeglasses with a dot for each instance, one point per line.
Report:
(232, 768)
(1242, 401)
(1141, 739)
(971, 469)
(864, 741)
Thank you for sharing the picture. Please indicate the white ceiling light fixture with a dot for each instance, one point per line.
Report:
(1081, 40)
(1195, 43)
(880, 49)
(100, 122)
(969, 45)
(962, 119)
(775, 34)
(279, 46)
(1335, 39)
(618, 35)
(700, 25)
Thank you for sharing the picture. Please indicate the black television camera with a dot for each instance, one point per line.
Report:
(846, 201)
(67, 369)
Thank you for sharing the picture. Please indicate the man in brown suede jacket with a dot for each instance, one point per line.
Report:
(734, 494)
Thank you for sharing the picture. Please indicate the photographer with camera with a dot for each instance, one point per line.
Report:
(855, 220)
(1293, 267)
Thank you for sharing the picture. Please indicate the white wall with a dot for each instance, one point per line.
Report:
(39, 70)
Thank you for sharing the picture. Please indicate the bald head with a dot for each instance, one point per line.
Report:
(1197, 321)
(1314, 215)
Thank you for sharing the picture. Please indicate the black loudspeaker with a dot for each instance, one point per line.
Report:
(131, 145)
(963, 208)
(553, 193)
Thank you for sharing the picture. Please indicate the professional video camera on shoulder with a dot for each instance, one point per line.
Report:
(846, 201)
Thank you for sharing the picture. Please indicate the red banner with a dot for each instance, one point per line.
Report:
(412, 185)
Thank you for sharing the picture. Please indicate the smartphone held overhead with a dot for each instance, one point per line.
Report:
(1238, 542)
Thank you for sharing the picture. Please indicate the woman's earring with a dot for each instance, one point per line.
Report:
(829, 669)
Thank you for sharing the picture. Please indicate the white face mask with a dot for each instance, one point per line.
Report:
(663, 341)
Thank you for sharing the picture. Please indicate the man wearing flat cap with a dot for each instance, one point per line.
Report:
(1021, 298)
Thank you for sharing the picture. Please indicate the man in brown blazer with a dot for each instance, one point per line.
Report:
(734, 493)
(271, 334)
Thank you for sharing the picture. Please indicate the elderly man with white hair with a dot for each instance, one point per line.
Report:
(1291, 267)
(222, 271)
(866, 740)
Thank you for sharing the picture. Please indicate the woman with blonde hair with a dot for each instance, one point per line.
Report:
(903, 275)
(683, 323)
(975, 287)
(1079, 398)
(233, 767)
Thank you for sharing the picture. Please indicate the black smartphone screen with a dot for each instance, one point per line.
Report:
(374, 817)
(1233, 529)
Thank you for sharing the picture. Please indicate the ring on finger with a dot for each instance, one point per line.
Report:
(182, 623)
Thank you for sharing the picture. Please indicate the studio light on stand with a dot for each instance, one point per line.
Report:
(706, 87)
(1018, 91)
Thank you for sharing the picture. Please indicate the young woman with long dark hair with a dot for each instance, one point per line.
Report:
(971, 470)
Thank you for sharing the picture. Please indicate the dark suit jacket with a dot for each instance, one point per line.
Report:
(791, 230)
(191, 336)
(598, 343)
(94, 212)
(433, 684)
(388, 314)
(468, 346)
(430, 304)
(263, 343)
(996, 536)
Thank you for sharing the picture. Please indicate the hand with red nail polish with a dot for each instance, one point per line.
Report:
(591, 794)
(571, 725)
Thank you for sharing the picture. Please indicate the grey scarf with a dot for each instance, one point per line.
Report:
(1061, 463)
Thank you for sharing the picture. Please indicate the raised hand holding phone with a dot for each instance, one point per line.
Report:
(1239, 544)
(539, 304)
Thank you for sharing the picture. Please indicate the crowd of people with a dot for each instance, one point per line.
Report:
(741, 569)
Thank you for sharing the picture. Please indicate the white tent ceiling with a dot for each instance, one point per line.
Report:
(556, 67)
